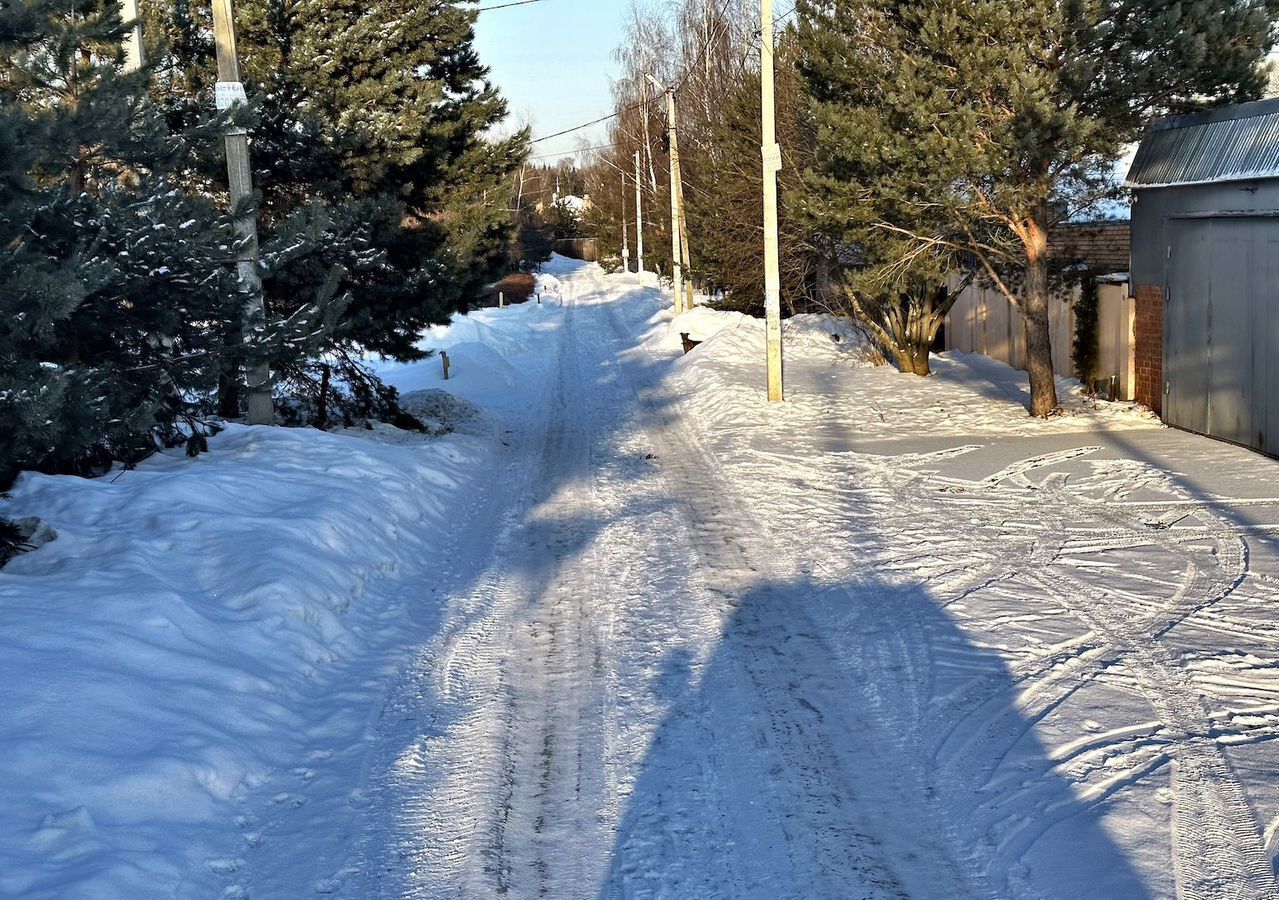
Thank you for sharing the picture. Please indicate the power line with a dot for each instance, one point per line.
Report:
(506, 5)
(570, 152)
(723, 8)
(613, 115)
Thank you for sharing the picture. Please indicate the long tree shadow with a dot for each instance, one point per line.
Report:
(798, 763)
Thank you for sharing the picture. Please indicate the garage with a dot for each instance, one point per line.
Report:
(1205, 271)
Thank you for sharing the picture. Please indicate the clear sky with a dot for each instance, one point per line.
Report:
(553, 62)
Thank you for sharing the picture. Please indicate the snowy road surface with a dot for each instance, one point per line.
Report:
(719, 651)
(891, 639)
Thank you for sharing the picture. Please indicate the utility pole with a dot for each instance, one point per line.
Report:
(134, 56)
(639, 217)
(772, 153)
(679, 203)
(678, 237)
(626, 238)
(685, 259)
(230, 91)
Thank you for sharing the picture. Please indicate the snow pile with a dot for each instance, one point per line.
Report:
(561, 266)
(701, 323)
(149, 654)
(444, 413)
(548, 284)
(804, 334)
(170, 657)
(831, 377)
(490, 352)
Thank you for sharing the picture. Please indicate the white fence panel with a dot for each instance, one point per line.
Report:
(983, 321)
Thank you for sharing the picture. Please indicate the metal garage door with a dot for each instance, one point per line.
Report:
(1221, 329)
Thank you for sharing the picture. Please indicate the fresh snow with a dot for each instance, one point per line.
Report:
(628, 631)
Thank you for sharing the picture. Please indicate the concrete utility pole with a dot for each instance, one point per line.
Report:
(134, 56)
(677, 271)
(639, 217)
(626, 237)
(240, 177)
(772, 165)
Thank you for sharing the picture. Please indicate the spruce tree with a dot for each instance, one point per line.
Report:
(377, 113)
(983, 124)
(728, 190)
(114, 280)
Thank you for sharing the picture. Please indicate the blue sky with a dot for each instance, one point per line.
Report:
(553, 62)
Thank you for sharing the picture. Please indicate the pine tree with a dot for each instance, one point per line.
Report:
(114, 280)
(979, 124)
(377, 113)
(727, 207)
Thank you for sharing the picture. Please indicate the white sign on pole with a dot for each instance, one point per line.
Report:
(228, 93)
(773, 158)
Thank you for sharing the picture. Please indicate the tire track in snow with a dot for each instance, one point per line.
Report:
(1217, 846)
(1218, 849)
(834, 838)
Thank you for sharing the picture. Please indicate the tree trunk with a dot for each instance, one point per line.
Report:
(913, 360)
(1039, 356)
(920, 364)
(229, 394)
(322, 413)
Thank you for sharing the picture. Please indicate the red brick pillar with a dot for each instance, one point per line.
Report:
(1149, 345)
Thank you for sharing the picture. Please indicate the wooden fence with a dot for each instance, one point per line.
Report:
(577, 248)
(983, 321)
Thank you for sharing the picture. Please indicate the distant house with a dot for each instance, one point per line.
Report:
(574, 204)
(1205, 272)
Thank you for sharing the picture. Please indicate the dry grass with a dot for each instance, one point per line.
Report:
(516, 288)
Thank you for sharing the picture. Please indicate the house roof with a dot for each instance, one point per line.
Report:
(1233, 143)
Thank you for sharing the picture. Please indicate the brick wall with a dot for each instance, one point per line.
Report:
(1102, 246)
(1149, 351)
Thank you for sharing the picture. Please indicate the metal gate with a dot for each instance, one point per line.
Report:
(1221, 329)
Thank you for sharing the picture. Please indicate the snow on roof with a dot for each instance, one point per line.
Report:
(1232, 143)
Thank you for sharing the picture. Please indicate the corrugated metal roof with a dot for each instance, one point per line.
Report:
(1228, 144)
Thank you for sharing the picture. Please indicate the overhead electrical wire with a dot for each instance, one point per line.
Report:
(684, 80)
(506, 5)
(570, 152)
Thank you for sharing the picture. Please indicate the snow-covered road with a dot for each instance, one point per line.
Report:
(664, 640)
(633, 701)
(722, 651)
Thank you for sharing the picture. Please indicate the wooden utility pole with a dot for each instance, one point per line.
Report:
(677, 232)
(230, 91)
(685, 259)
(772, 165)
(134, 56)
(639, 217)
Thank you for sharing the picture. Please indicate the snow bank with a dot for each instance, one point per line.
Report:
(149, 654)
(549, 284)
(491, 352)
(831, 376)
(560, 266)
(737, 335)
(166, 657)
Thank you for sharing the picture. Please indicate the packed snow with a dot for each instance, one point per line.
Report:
(623, 629)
